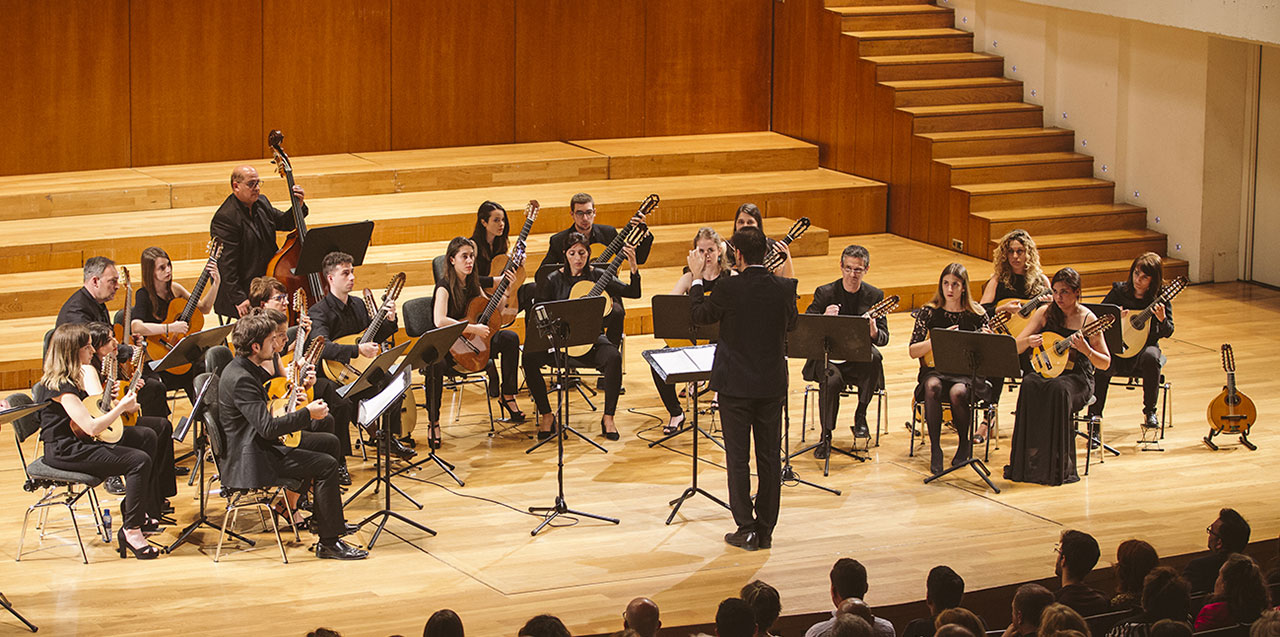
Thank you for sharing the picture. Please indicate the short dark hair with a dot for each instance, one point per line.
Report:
(95, 266)
(272, 313)
(750, 242)
(849, 626)
(1170, 628)
(734, 618)
(849, 578)
(579, 199)
(262, 288)
(1080, 553)
(544, 626)
(334, 260)
(1166, 594)
(765, 602)
(1234, 531)
(250, 330)
(944, 587)
(443, 623)
(857, 252)
(1030, 601)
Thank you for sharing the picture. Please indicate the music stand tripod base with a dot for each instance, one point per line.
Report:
(821, 337)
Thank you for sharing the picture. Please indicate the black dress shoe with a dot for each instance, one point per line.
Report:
(166, 507)
(408, 441)
(543, 435)
(748, 541)
(609, 435)
(1149, 421)
(398, 449)
(935, 464)
(860, 428)
(764, 542)
(822, 451)
(344, 476)
(114, 485)
(339, 550)
(180, 470)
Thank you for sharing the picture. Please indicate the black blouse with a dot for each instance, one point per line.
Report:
(55, 423)
(929, 318)
(143, 311)
(559, 285)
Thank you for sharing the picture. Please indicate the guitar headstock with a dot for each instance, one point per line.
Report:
(274, 139)
(633, 235)
(214, 248)
(531, 210)
(124, 281)
(299, 304)
(647, 206)
(889, 304)
(394, 287)
(312, 354)
(370, 302)
(798, 229)
(1001, 319)
(1099, 325)
(1228, 359)
(1175, 286)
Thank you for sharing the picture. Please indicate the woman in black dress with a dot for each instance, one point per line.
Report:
(1146, 279)
(65, 383)
(604, 356)
(151, 308)
(951, 308)
(1044, 448)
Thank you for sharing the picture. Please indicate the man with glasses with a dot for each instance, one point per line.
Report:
(1228, 534)
(848, 296)
(247, 224)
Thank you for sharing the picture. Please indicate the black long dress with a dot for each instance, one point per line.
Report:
(1043, 447)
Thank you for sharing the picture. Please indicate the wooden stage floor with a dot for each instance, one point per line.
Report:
(485, 565)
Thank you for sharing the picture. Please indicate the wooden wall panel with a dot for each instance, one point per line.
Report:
(452, 73)
(196, 80)
(790, 55)
(66, 95)
(327, 74)
(707, 66)
(579, 69)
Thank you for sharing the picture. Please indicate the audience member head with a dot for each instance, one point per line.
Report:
(1028, 604)
(953, 630)
(324, 632)
(1228, 534)
(641, 616)
(1166, 595)
(848, 626)
(765, 602)
(961, 617)
(443, 623)
(944, 588)
(1078, 553)
(544, 626)
(1241, 586)
(1170, 628)
(1134, 559)
(750, 244)
(848, 579)
(1267, 625)
(734, 618)
(857, 607)
(625, 632)
(1059, 617)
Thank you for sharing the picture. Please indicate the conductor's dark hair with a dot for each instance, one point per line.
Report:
(849, 578)
(764, 601)
(750, 242)
(734, 618)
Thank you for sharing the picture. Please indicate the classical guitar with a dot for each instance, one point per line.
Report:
(646, 208)
(881, 309)
(158, 345)
(774, 258)
(1026, 307)
(632, 236)
(1137, 326)
(1051, 358)
(343, 373)
(292, 394)
(124, 330)
(471, 353)
(501, 263)
(1231, 412)
(284, 264)
(998, 324)
(111, 392)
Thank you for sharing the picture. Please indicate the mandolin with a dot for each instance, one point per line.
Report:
(1018, 320)
(158, 345)
(1136, 327)
(293, 396)
(343, 373)
(124, 330)
(647, 207)
(501, 263)
(284, 264)
(774, 258)
(471, 353)
(1051, 358)
(632, 236)
(1231, 412)
(111, 392)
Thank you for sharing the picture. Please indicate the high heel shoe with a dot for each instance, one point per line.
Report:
(513, 410)
(608, 435)
(433, 436)
(555, 427)
(673, 425)
(147, 552)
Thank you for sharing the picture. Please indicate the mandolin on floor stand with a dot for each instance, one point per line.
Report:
(1231, 411)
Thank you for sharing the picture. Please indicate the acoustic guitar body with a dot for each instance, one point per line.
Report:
(280, 407)
(343, 373)
(580, 290)
(1045, 361)
(159, 345)
(1135, 337)
(115, 430)
(1018, 320)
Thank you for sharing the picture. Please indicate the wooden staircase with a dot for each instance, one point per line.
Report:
(966, 158)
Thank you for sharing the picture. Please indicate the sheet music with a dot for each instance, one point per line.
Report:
(675, 362)
(703, 356)
(373, 407)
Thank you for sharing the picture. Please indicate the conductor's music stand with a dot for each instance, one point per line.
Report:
(824, 337)
(559, 326)
(976, 355)
(672, 319)
(427, 350)
(191, 348)
(7, 416)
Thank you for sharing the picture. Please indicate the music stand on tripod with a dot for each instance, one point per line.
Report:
(377, 372)
(192, 347)
(559, 326)
(672, 320)
(976, 355)
(7, 416)
(823, 337)
(427, 350)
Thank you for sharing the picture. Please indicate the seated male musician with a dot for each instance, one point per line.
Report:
(848, 296)
(246, 223)
(338, 315)
(254, 455)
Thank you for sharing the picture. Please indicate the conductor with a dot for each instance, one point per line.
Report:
(755, 310)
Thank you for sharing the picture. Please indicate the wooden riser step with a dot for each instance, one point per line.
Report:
(927, 66)
(1029, 194)
(637, 157)
(871, 3)
(999, 142)
(852, 204)
(1101, 245)
(965, 117)
(1099, 275)
(912, 41)
(894, 17)
(992, 224)
(964, 90)
(1024, 167)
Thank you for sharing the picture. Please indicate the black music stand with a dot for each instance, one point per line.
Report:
(377, 371)
(685, 365)
(672, 319)
(427, 350)
(559, 326)
(191, 348)
(819, 336)
(1114, 338)
(977, 355)
(352, 238)
(7, 416)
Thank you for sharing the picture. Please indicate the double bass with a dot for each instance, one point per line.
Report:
(283, 266)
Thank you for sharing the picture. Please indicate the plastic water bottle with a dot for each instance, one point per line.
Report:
(106, 521)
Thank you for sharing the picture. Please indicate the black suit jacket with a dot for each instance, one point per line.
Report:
(252, 447)
(248, 243)
(600, 233)
(82, 308)
(755, 310)
(333, 319)
(832, 294)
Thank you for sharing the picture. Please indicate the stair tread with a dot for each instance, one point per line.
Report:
(962, 109)
(983, 161)
(1122, 265)
(1033, 185)
(950, 82)
(1095, 236)
(755, 141)
(889, 9)
(909, 34)
(931, 58)
(993, 133)
(1057, 212)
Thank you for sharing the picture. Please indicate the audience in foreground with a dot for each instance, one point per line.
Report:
(443, 623)
(1057, 618)
(1165, 595)
(734, 618)
(765, 602)
(1078, 553)
(641, 616)
(849, 580)
(1134, 559)
(944, 589)
(962, 617)
(1239, 596)
(1028, 605)
(1228, 534)
(544, 626)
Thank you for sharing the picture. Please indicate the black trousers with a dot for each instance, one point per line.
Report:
(867, 377)
(1146, 365)
(341, 412)
(745, 420)
(152, 396)
(316, 459)
(167, 480)
(505, 345)
(603, 356)
(133, 457)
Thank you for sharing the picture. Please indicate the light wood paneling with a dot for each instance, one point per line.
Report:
(66, 94)
(579, 69)
(327, 74)
(452, 73)
(195, 80)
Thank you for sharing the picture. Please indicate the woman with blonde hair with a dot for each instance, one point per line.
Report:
(1058, 618)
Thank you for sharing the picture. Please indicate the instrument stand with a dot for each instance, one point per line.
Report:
(788, 473)
(973, 354)
(672, 320)
(1244, 440)
(819, 336)
(563, 324)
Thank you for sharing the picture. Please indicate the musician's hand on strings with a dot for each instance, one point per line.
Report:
(631, 258)
(475, 329)
(1035, 340)
(1080, 344)
(129, 404)
(214, 274)
(304, 320)
(1009, 308)
(318, 409)
(636, 220)
(309, 377)
(297, 192)
(178, 327)
(368, 350)
(391, 311)
(783, 249)
(1160, 312)
(834, 310)
(697, 264)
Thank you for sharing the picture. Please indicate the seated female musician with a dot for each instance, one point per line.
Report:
(749, 215)
(951, 308)
(603, 356)
(151, 308)
(708, 244)
(1043, 439)
(490, 238)
(1017, 275)
(460, 286)
(64, 382)
(1146, 278)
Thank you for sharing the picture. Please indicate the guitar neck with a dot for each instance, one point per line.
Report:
(609, 273)
(196, 292)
